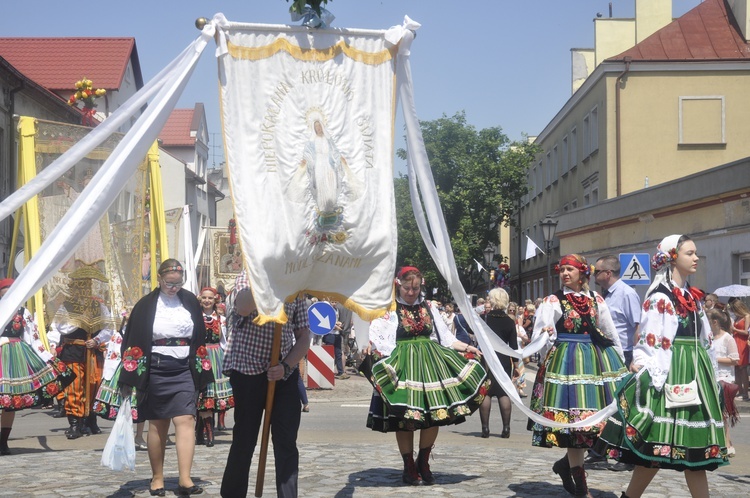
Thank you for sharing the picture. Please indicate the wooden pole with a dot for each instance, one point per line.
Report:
(275, 351)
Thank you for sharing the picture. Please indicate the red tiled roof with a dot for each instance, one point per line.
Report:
(707, 32)
(57, 63)
(177, 130)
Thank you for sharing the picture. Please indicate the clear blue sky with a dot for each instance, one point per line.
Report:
(505, 63)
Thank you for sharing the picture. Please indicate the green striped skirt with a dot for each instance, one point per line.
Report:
(109, 398)
(217, 396)
(576, 380)
(26, 380)
(645, 432)
(423, 384)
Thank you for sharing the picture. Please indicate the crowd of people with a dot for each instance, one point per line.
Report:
(672, 367)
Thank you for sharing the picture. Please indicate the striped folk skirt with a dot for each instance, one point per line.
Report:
(576, 380)
(217, 396)
(109, 398)
(26, 380)
(422, 384)
(645, 432)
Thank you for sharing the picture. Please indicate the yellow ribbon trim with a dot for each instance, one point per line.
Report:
(309, 54)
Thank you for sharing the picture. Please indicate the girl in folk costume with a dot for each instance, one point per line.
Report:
(109, 396)
(580, 372)
(668, 412)
(217, 397)
(29, 375)
(421, 383)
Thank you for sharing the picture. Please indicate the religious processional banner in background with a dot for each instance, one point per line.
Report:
(223, 258)
(111, 268)
(308, 118)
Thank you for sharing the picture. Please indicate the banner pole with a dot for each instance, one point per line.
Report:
(275, 351)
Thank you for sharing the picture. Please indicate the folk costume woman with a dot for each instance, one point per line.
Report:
(672, 363)
(405, 399)
(580, 373)
(217, 397)
(29, 375)
(164, 358)
(109, 396)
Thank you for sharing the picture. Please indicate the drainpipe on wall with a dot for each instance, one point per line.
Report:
(618, 147)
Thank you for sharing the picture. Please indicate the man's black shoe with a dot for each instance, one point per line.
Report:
(622, 467)
(592, 459)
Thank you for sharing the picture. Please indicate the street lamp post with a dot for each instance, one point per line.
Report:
(549, 226)
(489, 255)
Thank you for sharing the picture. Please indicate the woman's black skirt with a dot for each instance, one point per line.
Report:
(171, 391)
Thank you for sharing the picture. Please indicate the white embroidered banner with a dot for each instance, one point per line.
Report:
(308, 118)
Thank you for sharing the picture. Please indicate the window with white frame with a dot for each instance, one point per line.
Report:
(573, 148)
(586, 136)
(574, 204)
(702, 120)
(539, 178)
(594, 129)
(565, 161)
(555, 164)
(591, 190)
(548, 170)
(745, 269)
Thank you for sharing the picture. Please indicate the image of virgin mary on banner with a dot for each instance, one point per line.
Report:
(308, 118)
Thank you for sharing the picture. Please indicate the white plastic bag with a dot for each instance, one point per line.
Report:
(119, 452)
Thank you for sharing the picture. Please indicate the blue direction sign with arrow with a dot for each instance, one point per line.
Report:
(635, 268)
(322, 317)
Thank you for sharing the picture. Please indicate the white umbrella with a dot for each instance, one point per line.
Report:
(734, 290)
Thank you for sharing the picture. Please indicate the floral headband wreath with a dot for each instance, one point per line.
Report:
(570, 260)
(666, 252)
(404, 270)
(168, 269)
(215, 292)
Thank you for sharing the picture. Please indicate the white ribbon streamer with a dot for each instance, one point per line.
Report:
(432, 223)
(111, 178)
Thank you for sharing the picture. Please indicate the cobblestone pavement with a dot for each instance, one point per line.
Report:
(368, 470)
(464, 464)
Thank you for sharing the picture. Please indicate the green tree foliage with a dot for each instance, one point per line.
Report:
(480, 177)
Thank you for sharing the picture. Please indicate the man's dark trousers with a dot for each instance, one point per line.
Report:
(249, 404)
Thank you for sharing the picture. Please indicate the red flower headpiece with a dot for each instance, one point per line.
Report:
(571, 261)
(405, 269)
(5, 283)
(216, 292)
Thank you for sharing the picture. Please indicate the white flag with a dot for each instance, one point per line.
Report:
(480, 268)
(531, 248)
(308, 120)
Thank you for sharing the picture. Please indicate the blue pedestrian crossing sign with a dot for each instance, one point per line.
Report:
(322, 318)
(635, 268)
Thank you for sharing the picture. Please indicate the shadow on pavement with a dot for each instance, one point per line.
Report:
(391, 478)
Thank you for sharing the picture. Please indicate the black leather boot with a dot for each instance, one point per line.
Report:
(410, 475)
(562, 468)
(4, 435)
(581, 486)
(423, 465)
(74, 431)
(208, 423)
(59, 410)
(199, 429)
(92, 425)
